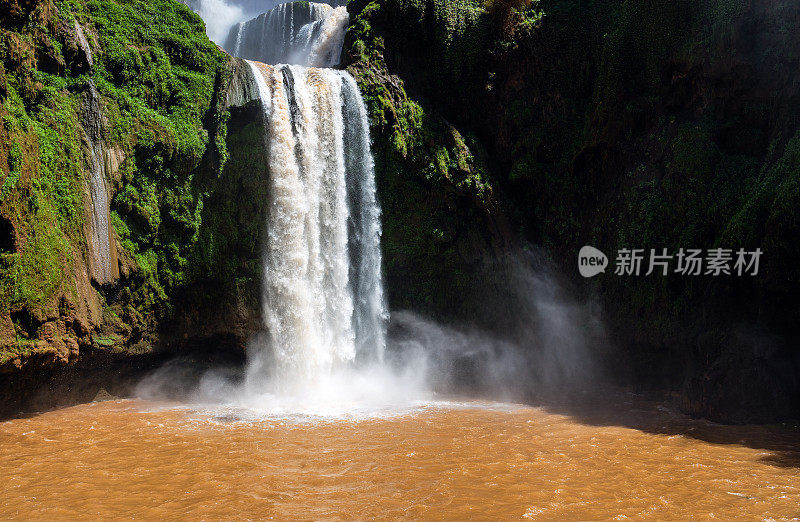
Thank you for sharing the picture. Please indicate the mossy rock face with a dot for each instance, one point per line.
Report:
(226, 267)
(442, 219)
(647, 124)
(163, 119)
(617, 124)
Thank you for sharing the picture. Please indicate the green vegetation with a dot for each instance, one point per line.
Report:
(159, 80)
(41, 189)
(439, 208)
(617, 124)
(161, 87)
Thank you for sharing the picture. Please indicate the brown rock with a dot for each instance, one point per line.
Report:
(73, 347)
(48, 332)
(11, 366)
(61, 351)
(6, 327)
(80, 327)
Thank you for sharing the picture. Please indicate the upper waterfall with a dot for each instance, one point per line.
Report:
(221, 15)
(299, 33)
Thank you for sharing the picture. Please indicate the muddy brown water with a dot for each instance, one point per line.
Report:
(131, 458)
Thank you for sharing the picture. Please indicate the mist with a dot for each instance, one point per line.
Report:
(542, 340)
(219, 16)
(544, 346)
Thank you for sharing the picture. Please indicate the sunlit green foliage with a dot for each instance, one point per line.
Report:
(158, 76)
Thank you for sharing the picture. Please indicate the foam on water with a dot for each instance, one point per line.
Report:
(297, 410)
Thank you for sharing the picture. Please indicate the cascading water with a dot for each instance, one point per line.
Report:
(324, 311)
(371, 311)
(324, 306)
(221, 15)
(300, 33)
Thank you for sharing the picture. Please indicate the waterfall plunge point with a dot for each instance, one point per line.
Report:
(323, 347)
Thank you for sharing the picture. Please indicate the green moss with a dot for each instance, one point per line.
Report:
(42, 195)
(433, 184)
(19, 349)
(228, 255)
(158, 76)
(161, 86)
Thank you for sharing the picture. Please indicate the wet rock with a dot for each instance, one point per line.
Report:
(48, 332)
(242, 89)
(101, 164)
(103, 395)
(83, 44)
(11, 366)
(91, 113)
(77, 51)
(73, 347)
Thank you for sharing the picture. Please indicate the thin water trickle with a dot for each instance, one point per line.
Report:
(101, 248)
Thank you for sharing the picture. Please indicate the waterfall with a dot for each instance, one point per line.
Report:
(323, 302)
(323, 298)
(364, 226)
(301, 33)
